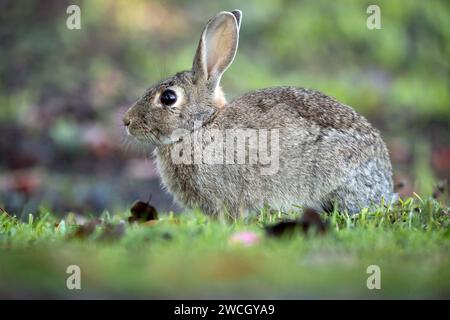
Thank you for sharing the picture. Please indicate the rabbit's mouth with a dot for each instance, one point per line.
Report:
(142, 134)
(149, 136)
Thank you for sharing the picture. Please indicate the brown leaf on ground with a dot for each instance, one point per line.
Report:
(282, 228)
(113, 232)
(142, 211)
(86, 229)
(309, 220)
(109, 231)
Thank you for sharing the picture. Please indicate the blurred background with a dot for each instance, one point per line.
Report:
(63, 92)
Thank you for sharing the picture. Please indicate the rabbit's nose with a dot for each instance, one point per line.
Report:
(126, 120)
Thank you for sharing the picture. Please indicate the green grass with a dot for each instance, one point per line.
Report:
(190, 256)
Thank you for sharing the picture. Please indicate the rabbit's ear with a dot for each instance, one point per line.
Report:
(217, 48)
(238, 15)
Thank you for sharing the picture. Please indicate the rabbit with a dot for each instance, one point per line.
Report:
(327, 154)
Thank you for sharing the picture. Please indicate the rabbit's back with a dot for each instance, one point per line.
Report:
(325, 146)
(288, 105)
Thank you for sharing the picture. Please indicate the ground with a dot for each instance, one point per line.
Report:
(193, 256)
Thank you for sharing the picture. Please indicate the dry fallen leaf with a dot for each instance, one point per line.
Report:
(142, 211)
(113, 231)
(86, 229)
(286, 227)
(309, 220)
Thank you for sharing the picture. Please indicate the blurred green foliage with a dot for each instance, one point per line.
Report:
(404, 67)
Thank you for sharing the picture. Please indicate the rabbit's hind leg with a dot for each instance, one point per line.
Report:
(343, 200)
(367, 185)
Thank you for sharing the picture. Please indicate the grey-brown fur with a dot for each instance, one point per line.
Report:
(328, 153)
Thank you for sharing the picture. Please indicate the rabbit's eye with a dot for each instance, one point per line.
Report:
(168, 97)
